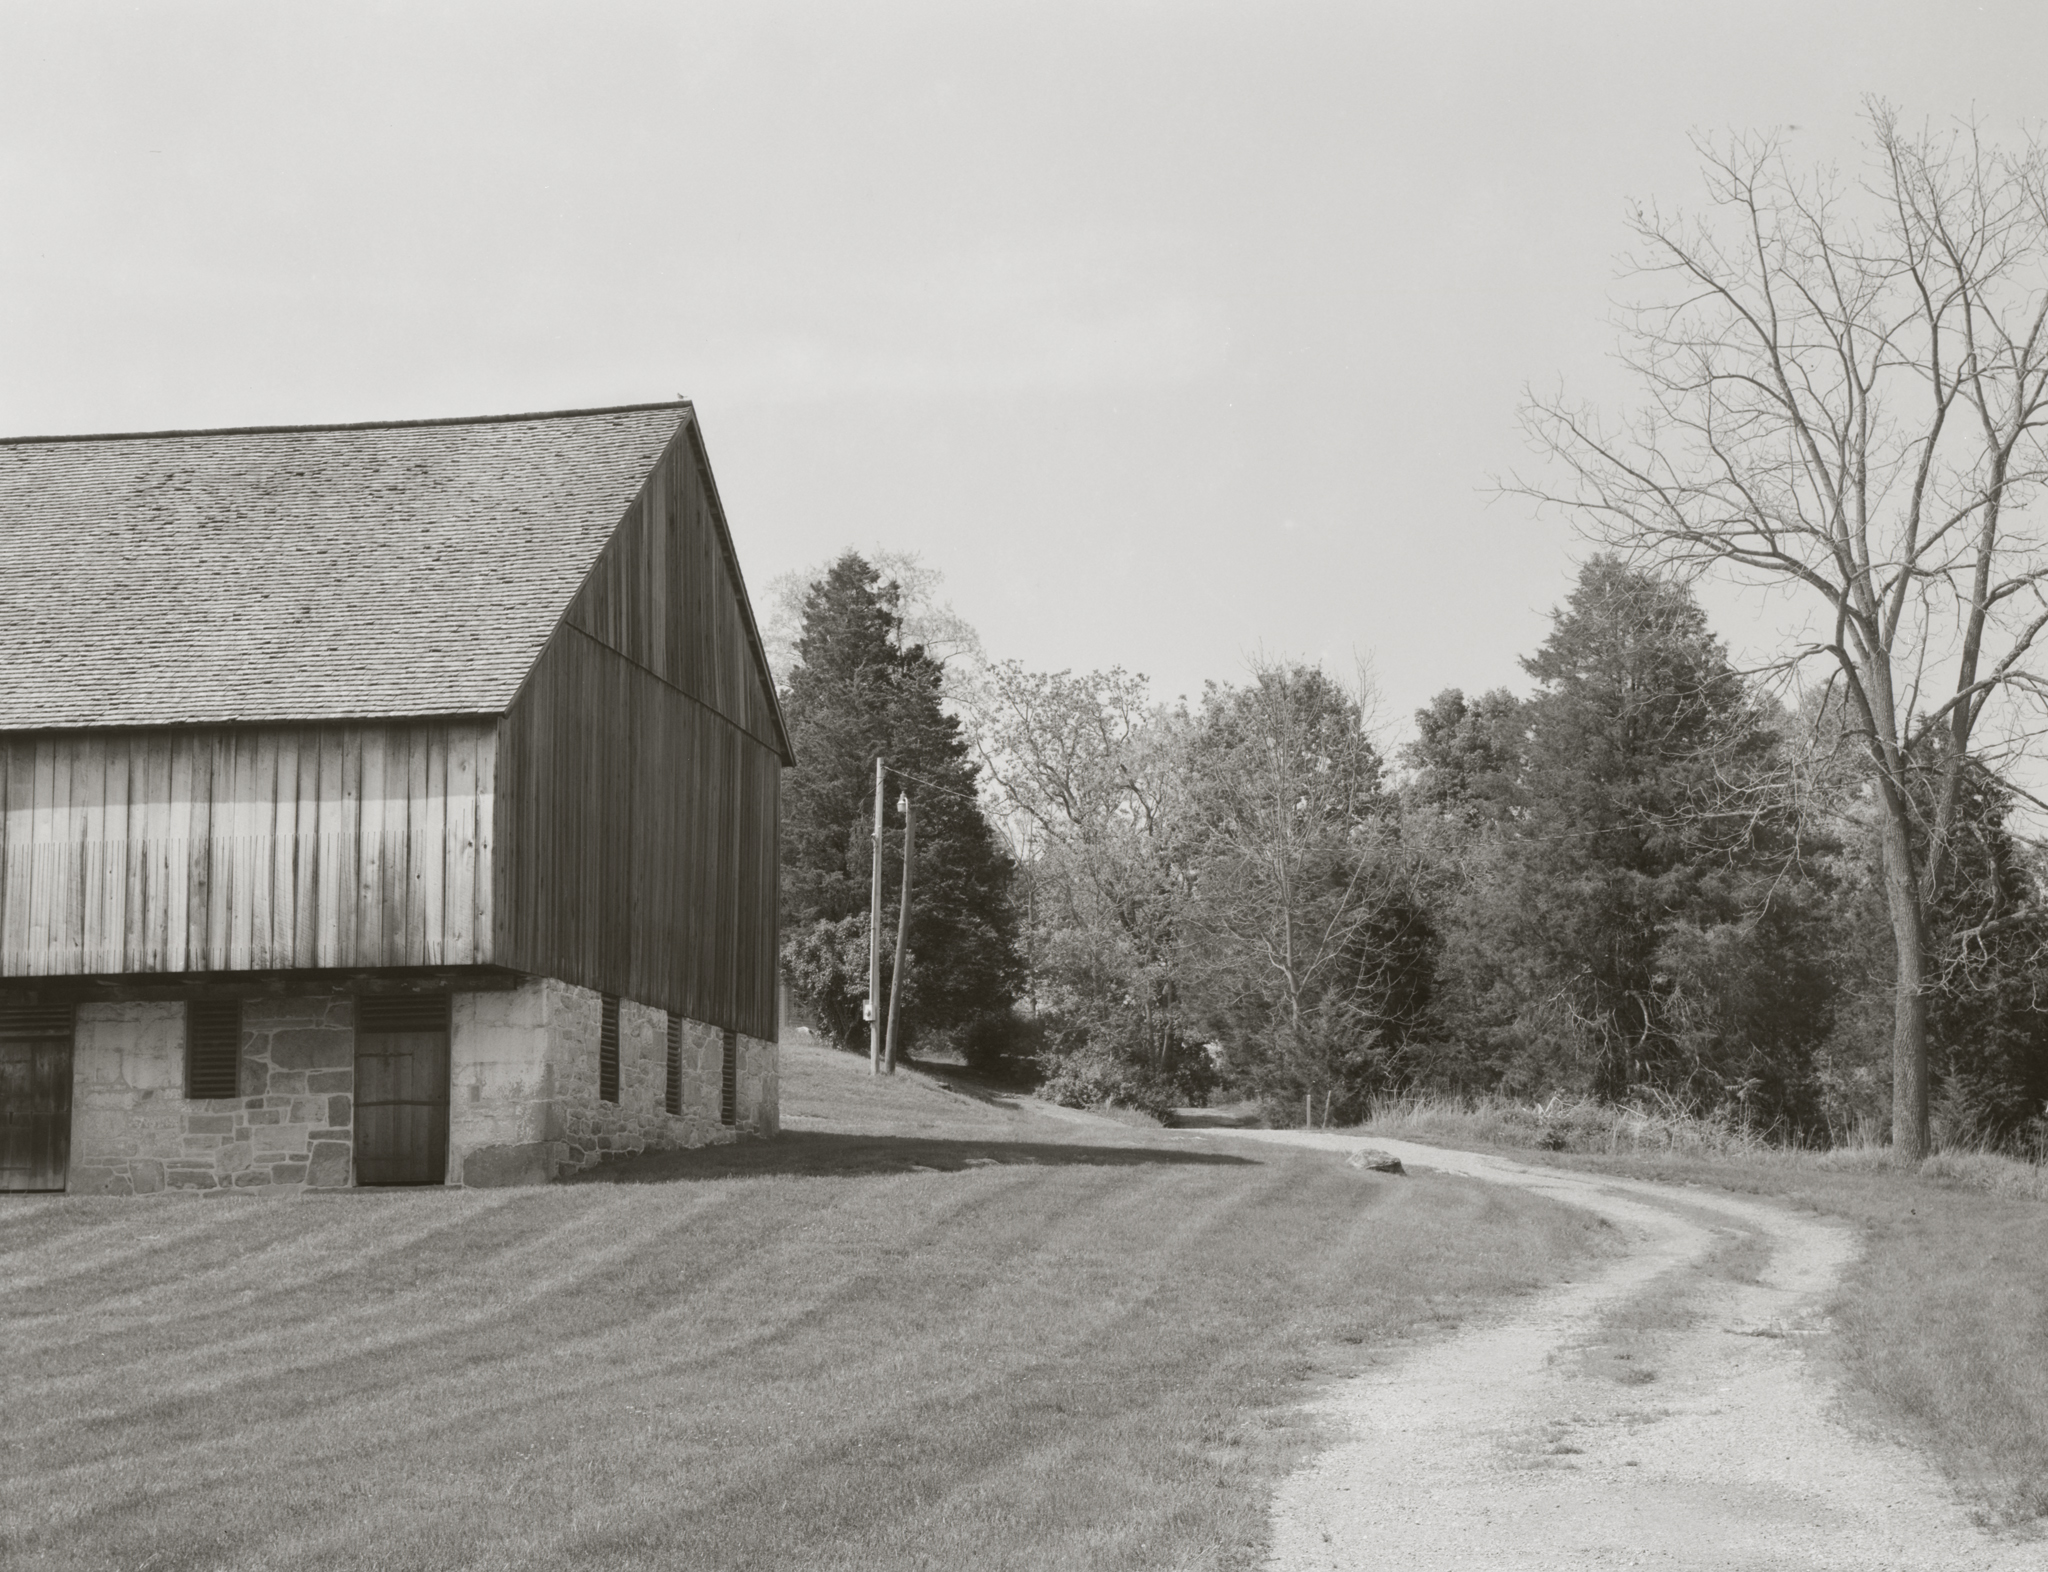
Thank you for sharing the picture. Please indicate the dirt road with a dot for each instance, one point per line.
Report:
(1659, 1414)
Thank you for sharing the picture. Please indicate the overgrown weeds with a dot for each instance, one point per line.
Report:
(1651, 1125)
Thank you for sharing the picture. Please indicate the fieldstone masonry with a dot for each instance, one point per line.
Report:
(133, 1130)
(523, 1106)
(526, 1107)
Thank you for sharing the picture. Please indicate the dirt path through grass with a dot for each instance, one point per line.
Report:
(1658, 1414)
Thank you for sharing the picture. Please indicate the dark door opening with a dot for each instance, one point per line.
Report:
(35, 1097)
(401, 1090)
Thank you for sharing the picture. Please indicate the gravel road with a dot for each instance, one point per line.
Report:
(1659, 1414)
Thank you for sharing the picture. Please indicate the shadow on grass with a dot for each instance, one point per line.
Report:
(840, 1156)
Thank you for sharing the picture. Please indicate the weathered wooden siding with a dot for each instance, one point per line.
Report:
(636, 842)
(663, 595)
(237, 849)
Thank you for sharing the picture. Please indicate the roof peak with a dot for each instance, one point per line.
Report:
(351, 425)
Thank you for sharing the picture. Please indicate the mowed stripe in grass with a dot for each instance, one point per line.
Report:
(1081, 1360)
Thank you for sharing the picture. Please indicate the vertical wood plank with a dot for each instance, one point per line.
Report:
(183, 904)
(19, 867)
(458, 876)
(369, 913)
(426, 925)
(156, 860)
(329, 857)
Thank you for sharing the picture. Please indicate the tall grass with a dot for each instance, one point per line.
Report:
(1646, 1127)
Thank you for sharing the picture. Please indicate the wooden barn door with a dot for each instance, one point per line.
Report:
(402, 1090)
(35, 1096)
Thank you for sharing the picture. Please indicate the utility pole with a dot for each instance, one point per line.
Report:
(909, 813)
(875, 939)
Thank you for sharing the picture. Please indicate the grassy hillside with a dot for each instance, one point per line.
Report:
(919, 1330)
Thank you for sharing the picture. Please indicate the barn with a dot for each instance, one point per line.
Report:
(380, 804)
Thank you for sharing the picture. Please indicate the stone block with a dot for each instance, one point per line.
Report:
(341, 1111)
(209, 1124)
(288, 1173)
(272, 1011)
(329, 1163)
(312, 1048)
(190, 1179)
(516, 1009)
(331, 1081)
(252, 1179)
(92, 1181)
(147, 1175)
(529, 1163)
(236, 1156)
(291, 1081)
(309, 1110)
(265, 1116)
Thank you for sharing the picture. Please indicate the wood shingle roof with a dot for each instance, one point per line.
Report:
(302, 573)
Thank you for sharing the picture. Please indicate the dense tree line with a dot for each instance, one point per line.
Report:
(1645, 881)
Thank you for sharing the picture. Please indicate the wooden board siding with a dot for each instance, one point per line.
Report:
(247, 848)
(636, 840)
(663, 594)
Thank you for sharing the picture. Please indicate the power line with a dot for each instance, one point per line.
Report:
(919, 780)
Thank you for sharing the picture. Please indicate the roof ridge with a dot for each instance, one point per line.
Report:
(351, 425)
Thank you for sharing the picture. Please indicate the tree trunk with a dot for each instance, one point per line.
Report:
(1909, 994)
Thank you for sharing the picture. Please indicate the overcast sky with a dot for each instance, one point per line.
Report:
(1170, 334)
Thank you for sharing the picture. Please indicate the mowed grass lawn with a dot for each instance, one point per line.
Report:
(918, 1330)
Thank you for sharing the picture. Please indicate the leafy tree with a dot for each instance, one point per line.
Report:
(858, 692)
(1309, 947)
(1090, 778)
(1466, 756)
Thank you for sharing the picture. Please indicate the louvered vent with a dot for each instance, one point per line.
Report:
(608, 1050)
(729, 1081)
(35, 1020)
(402, 1012)
(213, 1048)
(672, 1098)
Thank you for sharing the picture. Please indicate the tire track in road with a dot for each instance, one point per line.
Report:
(1517, 1445)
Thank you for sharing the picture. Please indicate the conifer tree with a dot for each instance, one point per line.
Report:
(1643, 924)
(858, 692)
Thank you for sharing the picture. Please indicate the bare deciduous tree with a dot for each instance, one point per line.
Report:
(1843, 390)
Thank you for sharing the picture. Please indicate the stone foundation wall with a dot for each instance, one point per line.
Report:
(133, 1130)
(525, 1104)
(759, 1104)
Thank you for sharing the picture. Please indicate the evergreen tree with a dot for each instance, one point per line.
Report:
(1987, 1024)
(1642, 926)
(858, 692)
